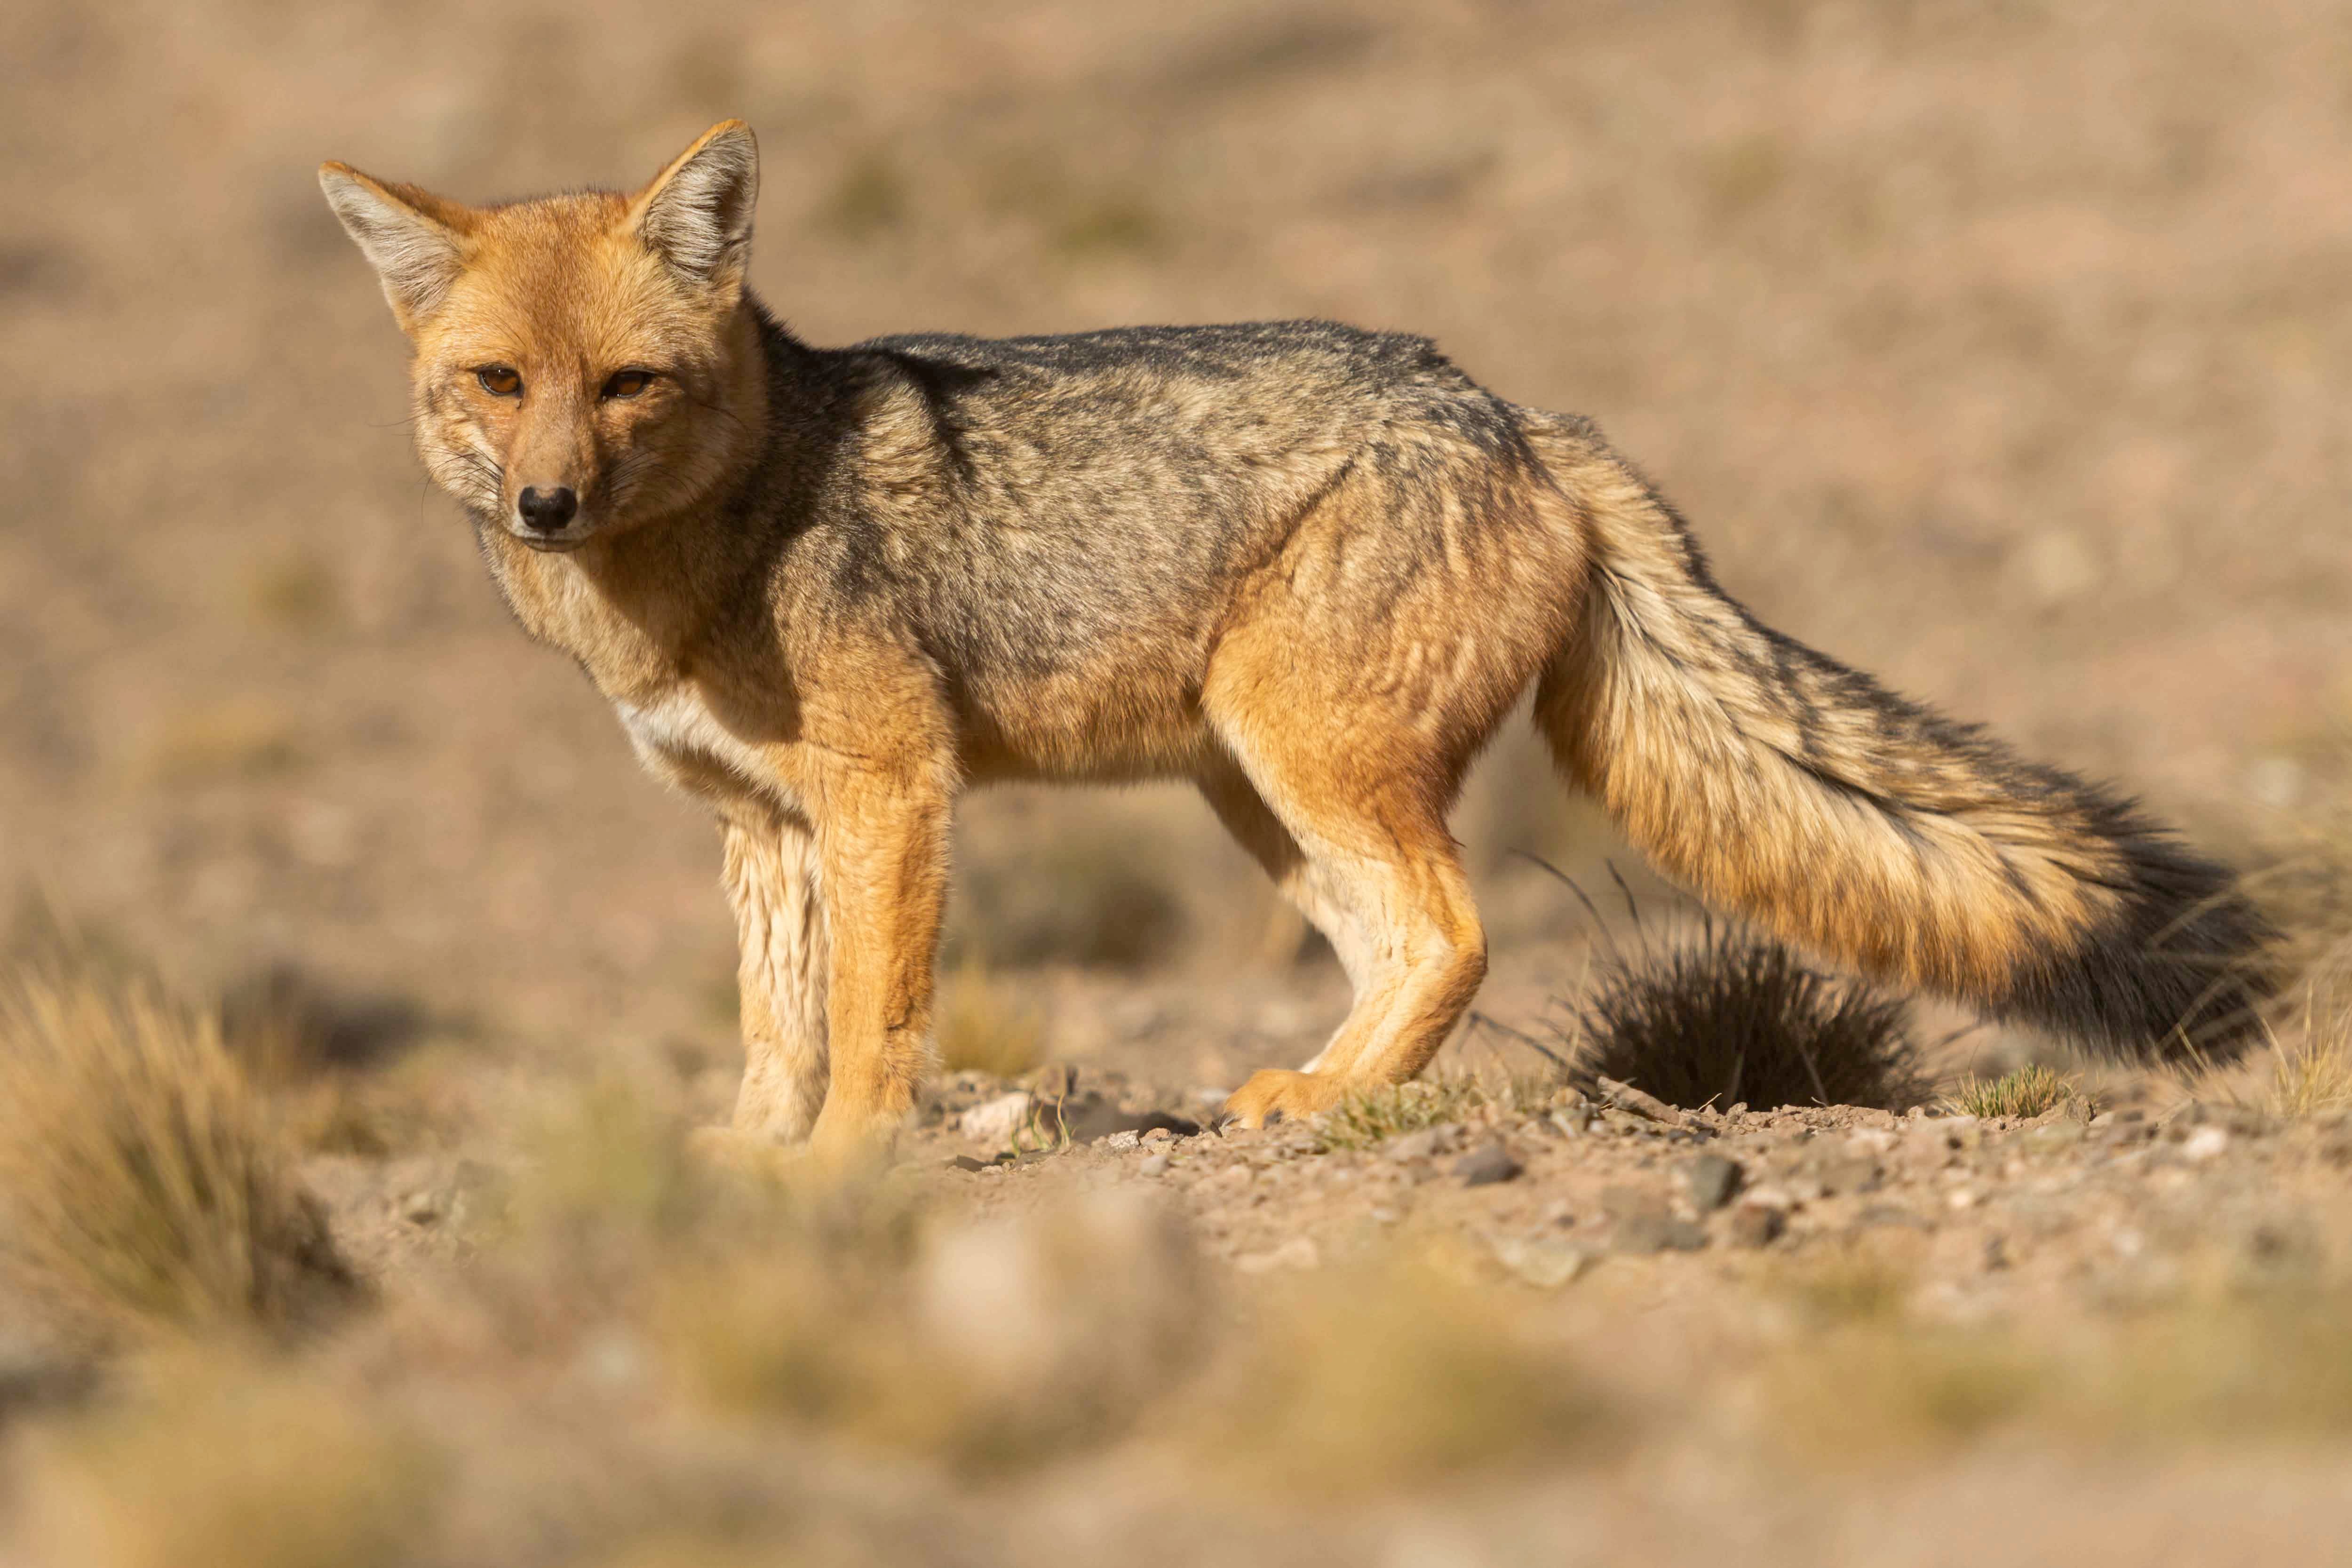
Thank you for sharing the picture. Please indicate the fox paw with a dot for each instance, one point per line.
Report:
(1274, 1094)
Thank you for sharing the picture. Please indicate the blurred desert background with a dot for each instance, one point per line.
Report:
(2000, 349)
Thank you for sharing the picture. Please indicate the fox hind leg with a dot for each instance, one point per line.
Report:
(1369, 860)
(1298, 878)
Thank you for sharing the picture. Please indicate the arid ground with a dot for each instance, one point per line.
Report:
(1999, 347)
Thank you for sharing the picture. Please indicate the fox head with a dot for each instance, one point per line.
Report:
(582, 363)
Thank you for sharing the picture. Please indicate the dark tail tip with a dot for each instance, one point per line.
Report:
(2177, 973)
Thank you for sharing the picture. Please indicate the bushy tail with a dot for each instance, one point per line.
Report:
(1777, 783)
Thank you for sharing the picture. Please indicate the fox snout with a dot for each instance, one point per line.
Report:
(547, 510)
(551, 510)
(554, 492)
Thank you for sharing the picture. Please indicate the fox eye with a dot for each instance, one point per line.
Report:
(499, 380)
(628, 382)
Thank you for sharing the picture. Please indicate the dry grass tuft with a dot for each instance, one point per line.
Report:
(2245, 1365)
(1732, 1017)
(1399, 1377)
(249, 737)
(1371, 1118)
(991, 1346)
(985, 1024)
(2028, 1091)
(1880, 1392)
(1848, 1288)
(143, 1178)
(231, 1462)
(295, 593)
(845, 1313)
(2312, 1075)
(1877, 1387)
(2308, 893)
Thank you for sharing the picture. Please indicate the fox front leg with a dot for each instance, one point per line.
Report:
(882, 842)
(773, 882)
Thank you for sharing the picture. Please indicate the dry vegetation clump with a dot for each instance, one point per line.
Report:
(1876, 1393)
(850, 1313)
(2248, 1363)
(143, 1179)
(2307, 892)
(2311, 1075)
(231, 739)
(1369, 1380)
(227, 1459)
(1864, 1382)
(985, 1024)
(2268, 1367)
(1730, 1016)
(2030, 1091)
(1371, 1118)
(988, 1347)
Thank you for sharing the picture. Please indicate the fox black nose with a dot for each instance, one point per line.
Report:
(547, 510)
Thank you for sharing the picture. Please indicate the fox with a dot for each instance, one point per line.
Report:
(1309, 568)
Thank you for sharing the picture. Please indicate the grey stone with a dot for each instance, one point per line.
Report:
(1713, 1181)
(1850, 1173)
(1486, 1164)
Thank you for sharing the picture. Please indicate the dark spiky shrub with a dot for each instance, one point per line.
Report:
(1727, 1016)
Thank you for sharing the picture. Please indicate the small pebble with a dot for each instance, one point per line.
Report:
(1154, 1166)
(1486, 1164)
(1757, 1225)
(996, 1120)
(1640, 1222)
(1544, 1262)
(1407, 1147)
(2206, 1143)
(1299, 1252)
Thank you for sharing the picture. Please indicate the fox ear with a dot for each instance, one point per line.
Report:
(697, 214)
(416, 241)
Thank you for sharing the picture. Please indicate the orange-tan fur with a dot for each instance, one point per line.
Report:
(1309, 569)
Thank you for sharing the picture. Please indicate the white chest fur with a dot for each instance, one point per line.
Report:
(678, 737)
